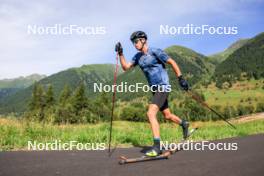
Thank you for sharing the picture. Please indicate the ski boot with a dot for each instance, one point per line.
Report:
(153, 151)
(185, 130)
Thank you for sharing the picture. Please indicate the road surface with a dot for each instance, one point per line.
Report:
(247, 160)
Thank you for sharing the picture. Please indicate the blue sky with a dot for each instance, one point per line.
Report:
(22, 54)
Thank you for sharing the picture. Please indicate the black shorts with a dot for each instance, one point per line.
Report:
(160, 99)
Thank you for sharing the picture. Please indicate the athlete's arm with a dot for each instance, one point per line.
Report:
(175, 67)
(125, 65)
(183, 83)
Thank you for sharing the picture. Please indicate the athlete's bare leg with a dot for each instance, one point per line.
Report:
(169, 116)
(152, 116)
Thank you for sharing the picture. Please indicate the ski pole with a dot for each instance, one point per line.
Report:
(198, 99)
(113, 105)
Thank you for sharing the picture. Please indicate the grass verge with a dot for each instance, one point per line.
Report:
(15, 134)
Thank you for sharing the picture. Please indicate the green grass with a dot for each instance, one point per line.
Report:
(15, 134)
(238, 94)
(233, 97)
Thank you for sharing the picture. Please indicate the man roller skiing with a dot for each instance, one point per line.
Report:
(152, 62)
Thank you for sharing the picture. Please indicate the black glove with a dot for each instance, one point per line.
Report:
(183, 83)
(119, 49)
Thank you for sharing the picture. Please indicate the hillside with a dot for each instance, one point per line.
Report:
(190, 62)
(11, 86)
(221, 56)
(72, 77)
(249, 60)
(20, 82)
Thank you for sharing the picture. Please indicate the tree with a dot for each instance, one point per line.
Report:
(65, 95)
(50, 100)
(79, 102)
(37, 103)
(34, 98)
(64, 114)
(101, 106)
(64, 110)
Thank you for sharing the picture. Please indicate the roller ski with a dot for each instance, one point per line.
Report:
(156, 154)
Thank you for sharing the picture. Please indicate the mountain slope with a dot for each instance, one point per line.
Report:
(248, 59)
(20, 82)
(11, 86)
(97, 73)
(190, 62)
(221, 56)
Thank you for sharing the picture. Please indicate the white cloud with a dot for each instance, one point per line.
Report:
(23, 54)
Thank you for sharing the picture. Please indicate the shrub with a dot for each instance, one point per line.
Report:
(260, 107)
(134, 114)
(229, 112)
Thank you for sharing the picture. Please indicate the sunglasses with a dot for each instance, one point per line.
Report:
(136, 41)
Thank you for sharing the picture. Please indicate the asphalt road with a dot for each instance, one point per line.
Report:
(247, 160)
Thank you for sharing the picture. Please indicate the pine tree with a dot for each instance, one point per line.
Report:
(101, 106)
(38, 97)
(41, 102)
(79, 100)
(33, 101)
(38, 103)
(65, 95)
(64, 110)
(50, 101)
